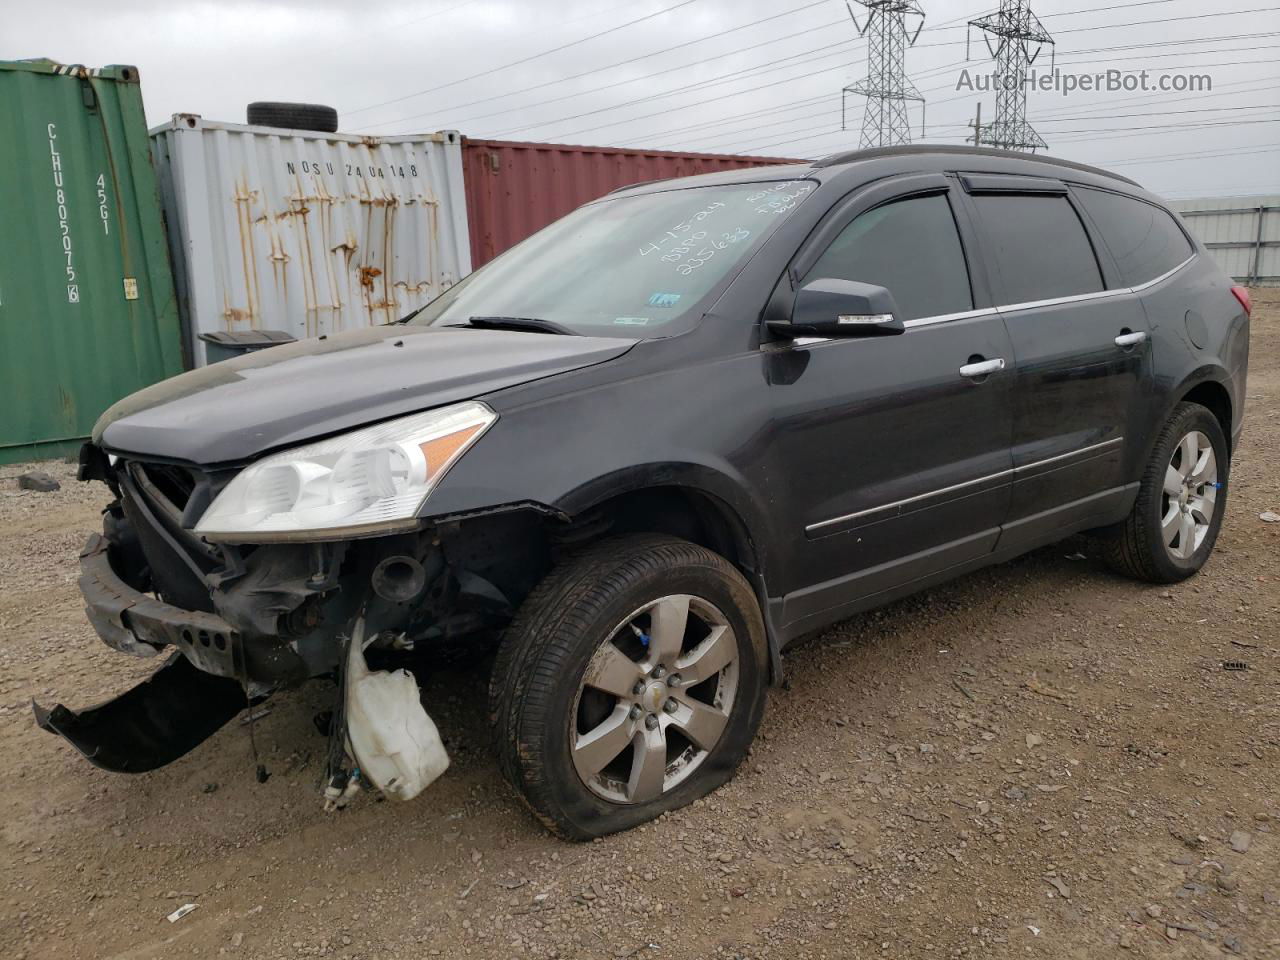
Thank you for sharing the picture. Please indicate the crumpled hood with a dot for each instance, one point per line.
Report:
(289, 394)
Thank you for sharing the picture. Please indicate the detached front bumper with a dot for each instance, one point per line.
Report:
(175, 710)
(155, 723)
(138, 624)
(198, 690)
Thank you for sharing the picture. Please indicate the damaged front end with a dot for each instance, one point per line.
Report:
(240, 622)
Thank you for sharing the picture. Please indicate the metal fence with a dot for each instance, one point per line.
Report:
(1243, 234)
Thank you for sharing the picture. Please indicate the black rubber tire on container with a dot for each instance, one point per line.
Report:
(293, 116)
(1134, 547)
(547, 647)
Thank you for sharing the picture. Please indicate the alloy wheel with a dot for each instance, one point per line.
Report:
(1189, 496)
(654, 699)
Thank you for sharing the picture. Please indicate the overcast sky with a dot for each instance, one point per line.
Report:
(732, 76)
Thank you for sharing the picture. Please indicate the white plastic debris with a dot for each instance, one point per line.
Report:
(1268, 516)
(181, 912)
(336, 798)
(390, 735)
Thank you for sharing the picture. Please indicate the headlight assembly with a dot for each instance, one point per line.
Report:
(362, 482)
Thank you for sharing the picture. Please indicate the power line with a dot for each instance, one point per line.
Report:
(788, 80)
(827, 128)
(611, 66)
(710, 82)
(1201, 155)
(660, 96)
(735, 118)
(646, 56)
(666, 134)
(1095, 105)
(736, 93)
(772, 41)
(788, 105)
(1134, 23)
(1125, 131)
(530, 58)
(712, 36)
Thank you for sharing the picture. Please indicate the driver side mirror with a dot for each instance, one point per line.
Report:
(840, 308)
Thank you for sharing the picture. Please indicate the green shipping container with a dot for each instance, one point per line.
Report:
(87, 306)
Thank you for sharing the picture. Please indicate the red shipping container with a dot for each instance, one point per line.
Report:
(515, 189)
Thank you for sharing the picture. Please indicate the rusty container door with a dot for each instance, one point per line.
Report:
(308, 233)
(87, 307)
(516, 189)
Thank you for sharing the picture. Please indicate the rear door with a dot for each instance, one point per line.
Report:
(893, 451)
(1081, 350)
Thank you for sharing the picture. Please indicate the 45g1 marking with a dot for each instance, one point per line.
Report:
(104, 211)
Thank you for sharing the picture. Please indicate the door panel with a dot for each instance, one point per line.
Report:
(1082, 359)
(1075, 394)
(892, 458)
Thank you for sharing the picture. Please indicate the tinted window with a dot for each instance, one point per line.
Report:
(1145, 240)
(1039, 246)
(909, 247)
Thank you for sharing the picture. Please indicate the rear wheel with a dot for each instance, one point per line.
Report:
(1174, 523)
(631, 683)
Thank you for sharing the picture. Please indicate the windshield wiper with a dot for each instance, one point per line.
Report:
(535, 324)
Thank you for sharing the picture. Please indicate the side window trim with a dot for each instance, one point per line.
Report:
(1121, 286)
(1164, 276)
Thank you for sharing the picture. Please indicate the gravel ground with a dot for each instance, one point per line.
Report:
(1038, 760)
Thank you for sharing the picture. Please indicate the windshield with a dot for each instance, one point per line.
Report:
(631, 266)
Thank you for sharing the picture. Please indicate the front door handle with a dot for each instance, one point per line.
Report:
(1127, 340)
(983, 368)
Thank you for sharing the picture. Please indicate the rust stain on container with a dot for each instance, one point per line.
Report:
(305, 232)
(515, 189)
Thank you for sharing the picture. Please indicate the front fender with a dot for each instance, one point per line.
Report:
(567, 445)
(721, 484)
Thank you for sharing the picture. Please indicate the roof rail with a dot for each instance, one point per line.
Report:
(850, 156)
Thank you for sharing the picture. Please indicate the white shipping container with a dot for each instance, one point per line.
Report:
(309, 233)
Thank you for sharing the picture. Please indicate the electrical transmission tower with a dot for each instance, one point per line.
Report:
(1018, 37)
(887, 89)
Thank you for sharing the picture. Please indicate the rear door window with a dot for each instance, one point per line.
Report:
(1039, 246)
(1145, 240)
(912, 249)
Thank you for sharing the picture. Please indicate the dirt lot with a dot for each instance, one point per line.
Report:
(1039, 760)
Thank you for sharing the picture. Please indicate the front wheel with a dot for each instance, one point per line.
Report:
(631, 683)
(1174, 523)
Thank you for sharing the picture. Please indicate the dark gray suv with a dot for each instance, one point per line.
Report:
(633, 458)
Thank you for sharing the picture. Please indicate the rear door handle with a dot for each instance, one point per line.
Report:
(1131, 339)
(983, 368)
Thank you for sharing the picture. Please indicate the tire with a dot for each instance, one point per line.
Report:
(293, 116)
(1139, 546)
(598, 610)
